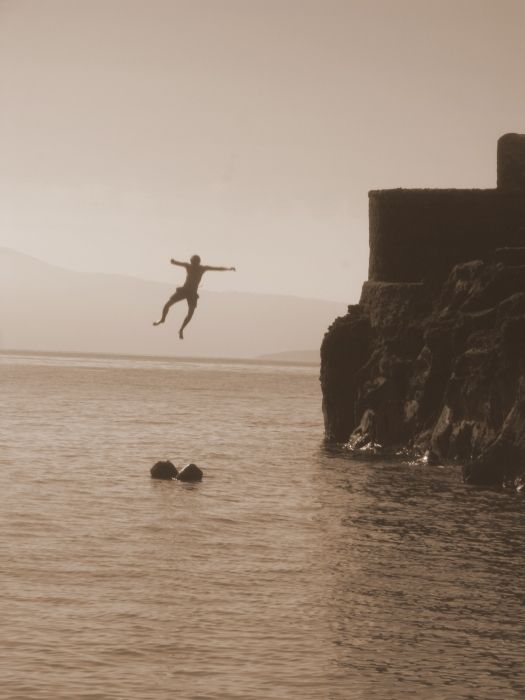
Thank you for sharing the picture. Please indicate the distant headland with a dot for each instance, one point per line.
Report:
(432, 359)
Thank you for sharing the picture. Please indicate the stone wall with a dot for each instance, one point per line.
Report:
(415, 234)
(511, 162)
(420, 233)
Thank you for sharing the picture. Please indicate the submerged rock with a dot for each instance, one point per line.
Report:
(163, 470)
(190, 472)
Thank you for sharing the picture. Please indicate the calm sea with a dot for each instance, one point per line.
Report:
(289, 572)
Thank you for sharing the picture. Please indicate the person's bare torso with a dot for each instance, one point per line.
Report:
(194, 275)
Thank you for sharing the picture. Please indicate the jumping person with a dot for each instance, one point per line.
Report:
(188, 291)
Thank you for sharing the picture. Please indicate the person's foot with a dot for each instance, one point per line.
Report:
(157, 323)
(181, 335)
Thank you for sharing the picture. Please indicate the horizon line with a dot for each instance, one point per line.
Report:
(183, 358)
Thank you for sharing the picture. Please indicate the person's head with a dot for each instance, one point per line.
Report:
(195, 260)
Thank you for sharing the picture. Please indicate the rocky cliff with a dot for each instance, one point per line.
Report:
(431, 362)
(437, 370)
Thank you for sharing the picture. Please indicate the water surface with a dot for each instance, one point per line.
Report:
(289, 572)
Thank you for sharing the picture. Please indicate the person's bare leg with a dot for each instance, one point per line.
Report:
(191, 310)
(167, 306)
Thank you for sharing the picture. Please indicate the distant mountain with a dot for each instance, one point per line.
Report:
(43, 307)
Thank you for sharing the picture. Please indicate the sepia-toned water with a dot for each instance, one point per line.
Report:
(289, 572)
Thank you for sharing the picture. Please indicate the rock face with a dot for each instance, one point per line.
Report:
(439, 370)
(163, 470)
(190, 472)
(432, 359)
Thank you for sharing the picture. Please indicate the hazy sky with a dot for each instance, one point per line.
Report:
(248, 131)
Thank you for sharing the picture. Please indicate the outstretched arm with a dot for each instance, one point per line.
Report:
(177, 262)
(209, 268)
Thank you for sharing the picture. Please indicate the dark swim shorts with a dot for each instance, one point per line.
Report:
(188, 294)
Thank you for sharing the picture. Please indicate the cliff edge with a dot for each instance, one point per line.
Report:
(435, 366)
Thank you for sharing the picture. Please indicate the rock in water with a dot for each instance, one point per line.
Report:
(163, 470)
(190, 472)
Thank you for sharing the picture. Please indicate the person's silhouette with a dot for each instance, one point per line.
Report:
(188, 291)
